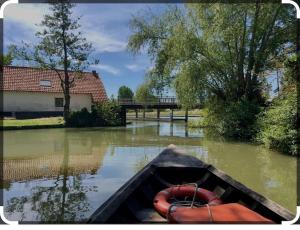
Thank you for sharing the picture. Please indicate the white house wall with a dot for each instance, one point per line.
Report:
(14, 101)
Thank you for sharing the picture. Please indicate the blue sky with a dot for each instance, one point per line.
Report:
(105, 25)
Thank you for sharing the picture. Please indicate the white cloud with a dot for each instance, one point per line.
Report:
(103, 42)
(30, 15)
(26, 14)
(107, 68)
(20, 22)
(133, 67)
(142, 63)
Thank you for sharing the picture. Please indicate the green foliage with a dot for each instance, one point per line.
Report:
(216, 52)
(189, 87)
(104, 114)
(278, 122)
(109, 112)
(157, 83)
(233, 120)
(60, 46)
(222, 47)
(82, 118)
(125, 93)
(6, 59)
(278, 125)
(200, 122)
(144, 94)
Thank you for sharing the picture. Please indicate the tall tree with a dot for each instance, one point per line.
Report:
(61, 47)
(231, 45)
(157, 83)
(144, 94)
(125, 93)
(217, 51)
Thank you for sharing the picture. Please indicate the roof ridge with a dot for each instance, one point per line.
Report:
(41, 69)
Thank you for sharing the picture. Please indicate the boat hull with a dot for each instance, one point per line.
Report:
(133, 202)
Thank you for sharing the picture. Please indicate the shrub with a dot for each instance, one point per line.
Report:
(79, 118)
(232, 119)
(279, 121)
(278, 124)
(200, 122)
(104, 114)
(108, 113)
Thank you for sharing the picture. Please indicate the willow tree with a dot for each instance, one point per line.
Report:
(189, 88)
(144, 94)
(217, 50)
(61, 47)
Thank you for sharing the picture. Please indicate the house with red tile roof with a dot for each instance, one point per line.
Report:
(38, 92)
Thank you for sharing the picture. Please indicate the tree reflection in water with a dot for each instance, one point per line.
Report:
(50, 175)
(140, 164)
(65, 201)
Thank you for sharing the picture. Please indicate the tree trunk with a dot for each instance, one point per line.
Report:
(67, 95)
(241, 59)
(252, 48)
(65, 167)
(67, 79)
(67, 102)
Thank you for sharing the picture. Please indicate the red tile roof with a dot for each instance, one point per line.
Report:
(28, 79)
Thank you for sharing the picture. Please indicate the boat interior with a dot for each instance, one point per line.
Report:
(134, 201)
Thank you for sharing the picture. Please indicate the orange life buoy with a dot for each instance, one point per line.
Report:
(161, 200)
(232, 213)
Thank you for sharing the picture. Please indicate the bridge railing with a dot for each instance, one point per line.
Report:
(150, 101)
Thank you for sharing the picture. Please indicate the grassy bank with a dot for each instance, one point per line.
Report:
(32, 122)
(197, 123)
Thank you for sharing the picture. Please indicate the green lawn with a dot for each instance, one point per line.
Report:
(33, 122)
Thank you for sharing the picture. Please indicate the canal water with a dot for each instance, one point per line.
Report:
(66, 174)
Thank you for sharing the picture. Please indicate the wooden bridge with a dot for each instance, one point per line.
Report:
(153, 103)
(158, 103)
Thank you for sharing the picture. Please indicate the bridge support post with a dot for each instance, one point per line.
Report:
(144, 113)
(123, 115)
(186, 115)
(136, 114)
(158, 114)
